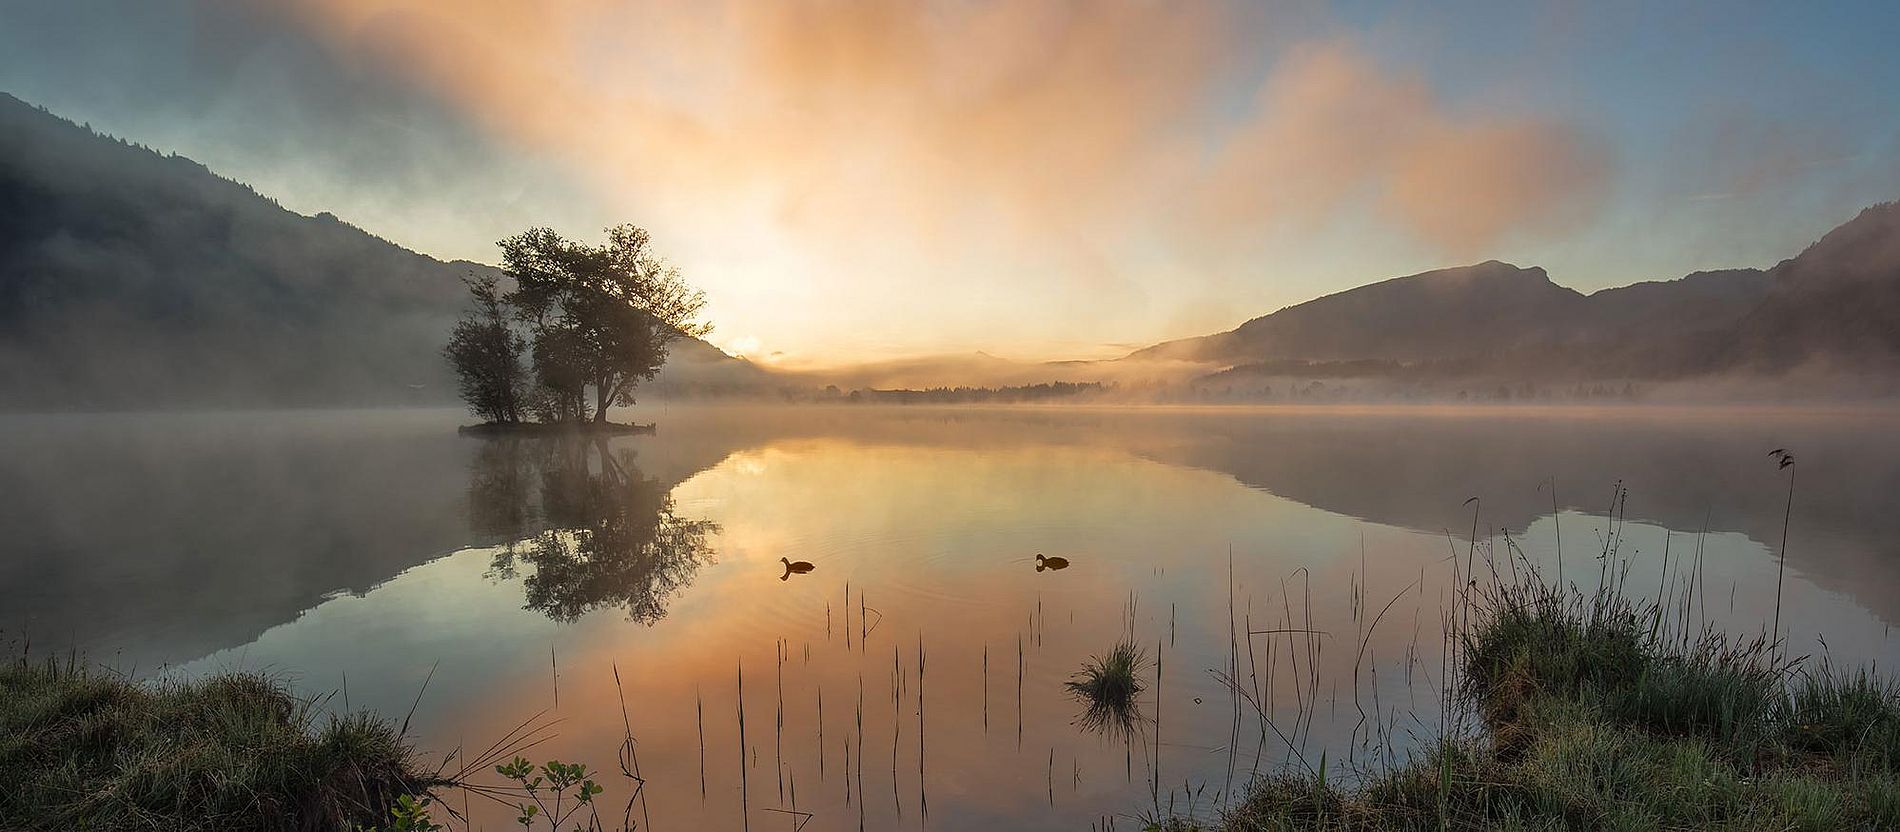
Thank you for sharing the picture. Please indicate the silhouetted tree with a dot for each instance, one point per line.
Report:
(486, 350)
(601, 316)
(560, 373)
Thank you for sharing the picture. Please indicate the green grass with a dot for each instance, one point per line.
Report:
(80, 749)
(1849, 717)
(1596, 717)
(1108, 686)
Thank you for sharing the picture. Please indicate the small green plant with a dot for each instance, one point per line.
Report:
(549, 789)
(1108, 685)
(409, 814)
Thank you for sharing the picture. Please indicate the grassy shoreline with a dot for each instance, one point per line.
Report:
(82, 749)
(1595, 712)
(1595, 715)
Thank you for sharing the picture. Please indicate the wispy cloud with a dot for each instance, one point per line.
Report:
(1331, 128)
(908, 153)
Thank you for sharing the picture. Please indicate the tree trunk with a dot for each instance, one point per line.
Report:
(603, 394)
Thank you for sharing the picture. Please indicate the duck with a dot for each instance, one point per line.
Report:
(791, 566)
(1050, 563)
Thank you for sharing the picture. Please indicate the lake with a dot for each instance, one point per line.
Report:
(1290, 568)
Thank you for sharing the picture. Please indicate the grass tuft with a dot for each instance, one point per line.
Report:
(86, 750)
(1108, 686)
(1851, 717)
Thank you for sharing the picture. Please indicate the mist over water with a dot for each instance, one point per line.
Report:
(361, 552)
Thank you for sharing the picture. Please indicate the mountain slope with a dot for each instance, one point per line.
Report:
(1697, 302)
(1436, 315)
(130, 278)
(1835, 306)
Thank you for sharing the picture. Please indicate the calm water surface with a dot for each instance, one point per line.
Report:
(913, 679)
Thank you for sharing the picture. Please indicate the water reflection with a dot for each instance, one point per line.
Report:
(1286, 562)
(602, 534)
(501, 490)
(204, 530)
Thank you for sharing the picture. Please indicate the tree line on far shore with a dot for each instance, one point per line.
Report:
(579, 330)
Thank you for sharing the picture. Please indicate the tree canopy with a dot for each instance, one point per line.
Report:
(486, 352)
(597, 317)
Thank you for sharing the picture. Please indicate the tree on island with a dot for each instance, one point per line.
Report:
(486, 352)
(599, 317)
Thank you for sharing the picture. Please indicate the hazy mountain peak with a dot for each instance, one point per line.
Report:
(1494, 268)
(1488, 274)
(1837, 305)
(1866, 247)
(1493, 312)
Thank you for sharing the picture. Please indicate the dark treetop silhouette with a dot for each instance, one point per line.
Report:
(595, 316)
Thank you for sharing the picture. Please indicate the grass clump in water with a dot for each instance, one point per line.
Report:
(84, 750)
(1596, 717)
(1108, 686)
(1535, 641)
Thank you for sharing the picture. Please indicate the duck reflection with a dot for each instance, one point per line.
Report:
(593, 530)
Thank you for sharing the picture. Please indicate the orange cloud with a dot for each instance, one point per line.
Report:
(944, 155)
(1331, 129)
(1465, 186)
(1014, 103)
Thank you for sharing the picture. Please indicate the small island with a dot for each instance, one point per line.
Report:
(557, 429)
(581, 328)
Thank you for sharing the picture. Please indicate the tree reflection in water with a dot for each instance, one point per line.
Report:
(600, 535)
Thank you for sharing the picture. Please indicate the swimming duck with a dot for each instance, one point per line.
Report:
(791, 566)
(1051, 563)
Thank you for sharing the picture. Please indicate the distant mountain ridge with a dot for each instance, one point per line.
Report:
(1435, 315)
(1836, 304)
(134, 279)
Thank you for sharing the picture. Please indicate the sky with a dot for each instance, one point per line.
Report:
(854, 181)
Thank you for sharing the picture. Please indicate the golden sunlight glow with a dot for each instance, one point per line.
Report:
(745, 346)
(982, 165)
